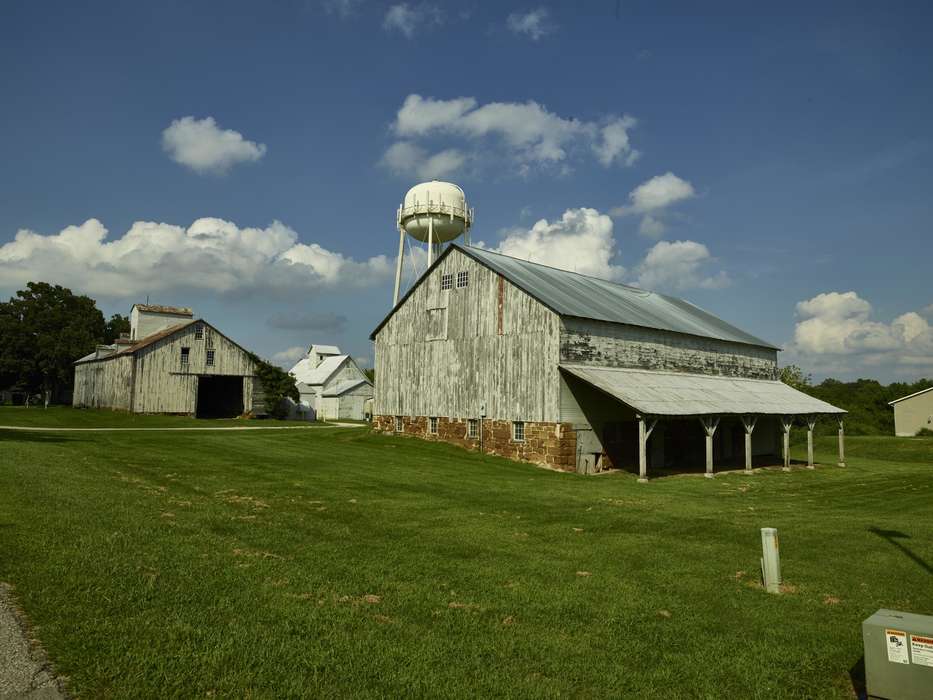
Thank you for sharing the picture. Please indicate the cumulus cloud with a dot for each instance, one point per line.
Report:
(526, 132)
(679, 265)
(286, 359)
(652, 198)
(535, 24)
(407, 19)
(581, 241)
(837, 326)
(324, 322)
(210, 255)
(405, 158)
(204, 147)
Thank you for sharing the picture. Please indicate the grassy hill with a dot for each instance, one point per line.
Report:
(334, 562)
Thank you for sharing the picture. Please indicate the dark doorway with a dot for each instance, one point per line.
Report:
(220, 397)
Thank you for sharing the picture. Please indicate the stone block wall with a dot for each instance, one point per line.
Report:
(549, 444)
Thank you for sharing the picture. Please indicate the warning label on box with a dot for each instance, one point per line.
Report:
(897, 646)
(921, 650)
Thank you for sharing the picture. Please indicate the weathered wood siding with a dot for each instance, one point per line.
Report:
(104, 384)
(602, 344)
(164, 385)
(444, 353)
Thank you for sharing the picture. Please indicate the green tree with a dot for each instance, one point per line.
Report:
(793, 376)
(43, 330)
(117, 324)
(277, 385)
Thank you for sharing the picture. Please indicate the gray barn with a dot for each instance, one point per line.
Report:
(170, 363)
(577, 373)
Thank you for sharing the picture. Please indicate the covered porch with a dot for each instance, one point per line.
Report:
(661, 421)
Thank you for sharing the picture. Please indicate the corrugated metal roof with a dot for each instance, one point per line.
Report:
(305, 373)
(343, 387)
(123, 350)
(325, 349)
(681, 394)
(572, 294)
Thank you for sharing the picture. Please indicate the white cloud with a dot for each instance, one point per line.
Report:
(287, 358)
(526, 132)
(581, 241)
(679, 265)
(211, 255)
(406, 158)
(201, 145)
(407, 18)
(652, 198)
(837, 327)
(535, 24)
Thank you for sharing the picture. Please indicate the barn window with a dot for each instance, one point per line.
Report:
(185, 352)
(518, 431)
(447, 281)
(398, 424)
(210, 358)
(199, 332)
(472, 428)
(463, 278)
(432, 425)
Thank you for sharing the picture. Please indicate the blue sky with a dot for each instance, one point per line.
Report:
(773, 166)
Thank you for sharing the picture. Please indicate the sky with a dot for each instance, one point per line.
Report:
(771, 163)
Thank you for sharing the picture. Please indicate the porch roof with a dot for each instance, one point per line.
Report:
(681, 394)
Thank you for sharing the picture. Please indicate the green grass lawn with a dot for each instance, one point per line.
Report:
(339, 563)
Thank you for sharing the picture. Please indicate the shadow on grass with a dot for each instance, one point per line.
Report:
(33, 436)
(892, 536)
(857, 678)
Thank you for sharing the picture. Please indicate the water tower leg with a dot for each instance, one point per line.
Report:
(430, 241)
(398, 267)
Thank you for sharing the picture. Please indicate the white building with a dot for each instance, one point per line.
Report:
(332, 384)
(913, 413)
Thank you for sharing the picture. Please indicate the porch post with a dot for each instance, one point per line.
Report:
(749, 423)
(811, 422)
(710, 423)
(786, 423)
(644, 432)
(842, 445)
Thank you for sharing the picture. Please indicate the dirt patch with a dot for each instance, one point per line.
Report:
(25, 670)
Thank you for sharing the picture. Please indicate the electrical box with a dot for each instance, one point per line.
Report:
(898, 655)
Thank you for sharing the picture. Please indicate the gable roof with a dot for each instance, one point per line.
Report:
(574, 295)
(910, 396)
(304, 373)
(324, 349)
(158, 309)
(343, 387)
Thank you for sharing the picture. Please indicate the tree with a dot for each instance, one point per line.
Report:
(117, 324)
(43, 330)
(277, 385)
(793, 376)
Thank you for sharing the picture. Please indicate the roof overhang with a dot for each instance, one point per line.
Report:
(681, 394)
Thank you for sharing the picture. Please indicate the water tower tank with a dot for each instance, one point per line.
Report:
(435, 210)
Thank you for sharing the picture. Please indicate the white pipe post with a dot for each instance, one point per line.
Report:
(644, 432)
(430, 240)
(842, 445)
(786, 422)
(749, 423)
(398, 267)
(811, 423)
(770, 560)
(710, 423)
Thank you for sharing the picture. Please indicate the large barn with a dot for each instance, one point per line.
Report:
(170, 363)
(577, 373)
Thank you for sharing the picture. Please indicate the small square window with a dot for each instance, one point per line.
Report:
(398, 424)
(518, 431)
(199, 332)
(472, 428)
(210, 358)
(463, 278)
(447, 281)
(432, 425)
(185, 353)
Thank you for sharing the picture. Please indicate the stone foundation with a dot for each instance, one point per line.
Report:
(549, 444)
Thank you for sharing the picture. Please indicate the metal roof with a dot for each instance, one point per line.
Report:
(325, 349)
(680, 394)
(572, 294)
(305, 373)
(910, 396)
(343, 387)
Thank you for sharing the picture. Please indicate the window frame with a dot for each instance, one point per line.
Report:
(209, 358)
(447, 281)
(432, 425)
(399, 426)
(199, 331)
(463, 279)
(518, 426)
(185, 357)
(472, 428)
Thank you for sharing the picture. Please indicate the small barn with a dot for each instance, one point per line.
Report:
(332, 384)
(913, 413)
(578, 373)
(169, 363)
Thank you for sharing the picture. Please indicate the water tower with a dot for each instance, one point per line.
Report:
(433, 213)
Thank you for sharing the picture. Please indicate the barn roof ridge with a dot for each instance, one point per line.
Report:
(910, 396)
(575, 295)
